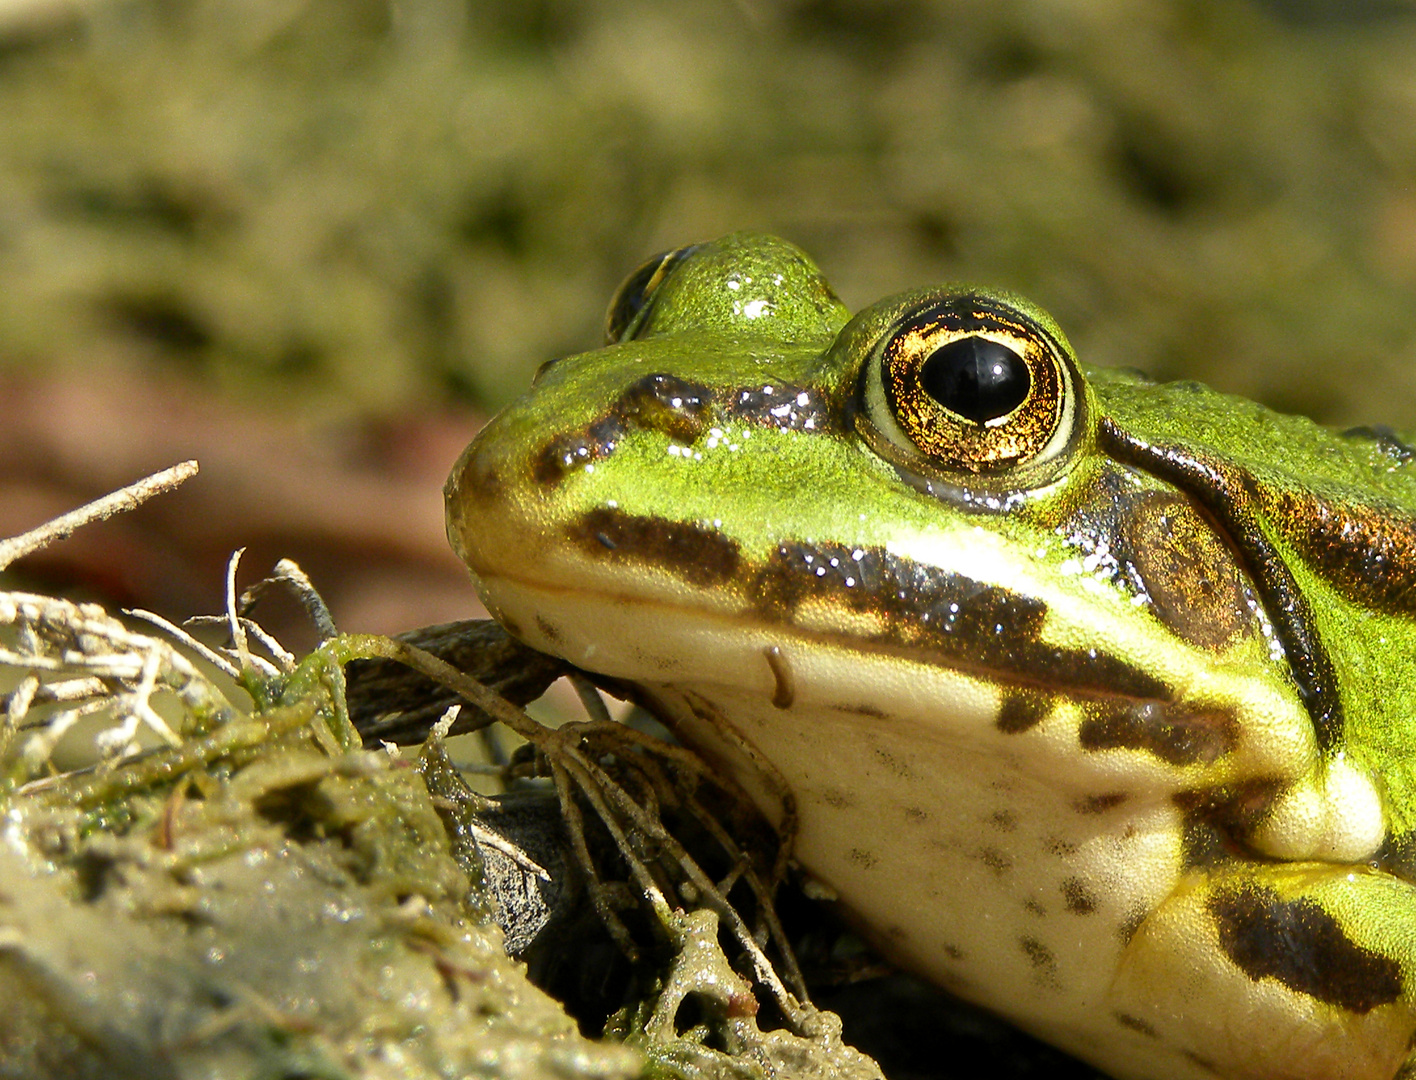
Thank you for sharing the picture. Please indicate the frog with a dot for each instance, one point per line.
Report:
(1089, 698)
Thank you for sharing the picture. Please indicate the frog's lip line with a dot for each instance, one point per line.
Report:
(742, 619)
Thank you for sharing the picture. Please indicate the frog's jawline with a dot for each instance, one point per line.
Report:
(950, 616)
(955, 622)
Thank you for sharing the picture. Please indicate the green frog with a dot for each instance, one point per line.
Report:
(1092, 697)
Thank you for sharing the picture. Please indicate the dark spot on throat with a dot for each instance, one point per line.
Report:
(1077, 897)
(1136, 1024)
(863, 858)
(1022, 710)
(1297, 943)
(1040, 957)
(1100, 804)
(995, 860)
(1177, 733)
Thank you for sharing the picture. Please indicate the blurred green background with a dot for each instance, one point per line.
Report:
(369, 207)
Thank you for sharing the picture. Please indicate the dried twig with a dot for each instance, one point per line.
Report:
(79, 656)
(115, 503)
(211, 656)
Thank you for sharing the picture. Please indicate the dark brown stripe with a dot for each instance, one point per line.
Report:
(683, 411)
(965, 624)
(784, 406)
(658, 402)
(1368, 553)
(696, 554)
(1228, 494)
(574, 450)
(1299, 944)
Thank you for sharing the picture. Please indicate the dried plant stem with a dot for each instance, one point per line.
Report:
(114, 503)
(565, 750)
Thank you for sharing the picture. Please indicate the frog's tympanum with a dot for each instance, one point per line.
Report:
(1095, 697)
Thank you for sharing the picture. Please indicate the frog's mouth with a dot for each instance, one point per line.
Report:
(660, 642)
(653, 601)
(869, 597)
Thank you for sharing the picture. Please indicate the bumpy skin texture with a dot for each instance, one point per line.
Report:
(1093, 695)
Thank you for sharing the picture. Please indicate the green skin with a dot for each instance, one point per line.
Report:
(1110, 736)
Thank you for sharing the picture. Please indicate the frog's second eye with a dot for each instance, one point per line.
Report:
(633, 299)
(970, 385)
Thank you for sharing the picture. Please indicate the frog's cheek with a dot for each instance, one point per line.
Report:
(1301, 971)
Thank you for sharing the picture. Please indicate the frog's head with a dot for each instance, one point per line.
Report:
(744, 468)
(1042, 681)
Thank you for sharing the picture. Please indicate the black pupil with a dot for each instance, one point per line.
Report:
(977, 378)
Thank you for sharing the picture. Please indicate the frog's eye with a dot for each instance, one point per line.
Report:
(971, 385)
(633, 299)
